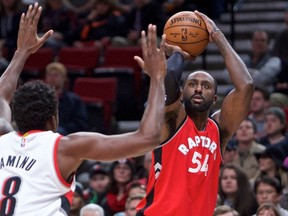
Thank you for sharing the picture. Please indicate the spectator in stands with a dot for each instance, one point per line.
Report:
(280, 97)
(136, 187)
(122, 173)
(275, 127)
(285, 163)
(176, 6)
(268, 209)
(3, 61)
(125, 6)
(77, 201)
(143, 171)
(142, 13)
(233, 186)
(284, 199)
(259, 103)
(32, 2)
(224, 210)
(247, 147)
(10, 13)
(271, 164)
(213, 8)
(269, 189)
(230, 153)
(92, 210)
(263, 67)
(131, 204)
(62, 20)
(98, 185)
(79, 7)
(72, 111)
(102, 23)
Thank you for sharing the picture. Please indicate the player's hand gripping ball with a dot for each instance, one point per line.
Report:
(188, 31)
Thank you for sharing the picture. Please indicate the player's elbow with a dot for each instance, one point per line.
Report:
(151, 136)
(248, 87)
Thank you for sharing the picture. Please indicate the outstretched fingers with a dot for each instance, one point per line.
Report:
(28, 13)
(22, 21)
(36, 17)
(152, 39)
(33, 13)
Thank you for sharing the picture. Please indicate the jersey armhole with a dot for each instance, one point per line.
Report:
(219, 134)
(56, 165)
(176, 131)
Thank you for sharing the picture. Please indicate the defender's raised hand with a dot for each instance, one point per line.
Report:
(28, 42)
(28, 39)
(154, 60)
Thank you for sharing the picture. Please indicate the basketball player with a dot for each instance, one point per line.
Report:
(37, 166)
(184, 178)
(28, 42)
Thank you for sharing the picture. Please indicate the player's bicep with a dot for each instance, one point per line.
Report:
(234, 109)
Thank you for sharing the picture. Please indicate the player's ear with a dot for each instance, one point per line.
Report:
(52, 123)
(55, 120)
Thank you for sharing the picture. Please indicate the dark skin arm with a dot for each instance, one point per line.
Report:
(77, 147)
(28, 42)
(175, 112)
(236, 104)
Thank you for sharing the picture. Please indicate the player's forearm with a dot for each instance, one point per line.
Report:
(173, 77)
(236, 68)
(9, 79)
(153, 116)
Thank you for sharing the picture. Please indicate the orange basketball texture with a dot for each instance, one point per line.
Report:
(188, 31)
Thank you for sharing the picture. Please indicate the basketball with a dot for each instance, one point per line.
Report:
(188, 31)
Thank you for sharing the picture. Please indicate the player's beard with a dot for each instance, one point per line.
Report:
(190, 107)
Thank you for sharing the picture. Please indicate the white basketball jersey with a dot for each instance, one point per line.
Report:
(30, 181)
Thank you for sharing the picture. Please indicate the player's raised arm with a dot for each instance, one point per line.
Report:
(236, 104)
(76, 147)
(27, 43)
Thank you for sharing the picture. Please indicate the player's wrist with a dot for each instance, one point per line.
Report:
(22, 53)
(214, 32)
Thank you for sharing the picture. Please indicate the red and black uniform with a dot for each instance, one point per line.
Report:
(184, 178)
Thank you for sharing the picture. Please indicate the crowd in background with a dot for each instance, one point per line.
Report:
(96, 22)
(255, 162)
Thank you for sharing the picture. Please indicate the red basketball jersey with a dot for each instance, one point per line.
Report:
(184, 178)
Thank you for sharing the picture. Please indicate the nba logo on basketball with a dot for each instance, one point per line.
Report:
(188, 31)
(184, 34)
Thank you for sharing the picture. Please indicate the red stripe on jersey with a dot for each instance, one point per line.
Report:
(62, 180)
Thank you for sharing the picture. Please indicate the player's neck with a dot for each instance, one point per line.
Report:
(200, 122)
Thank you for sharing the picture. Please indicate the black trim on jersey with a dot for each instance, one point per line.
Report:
(65, 204)
(176, 131)
(150, 196)
(218, 130)
(220, 137)
(149, 200)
